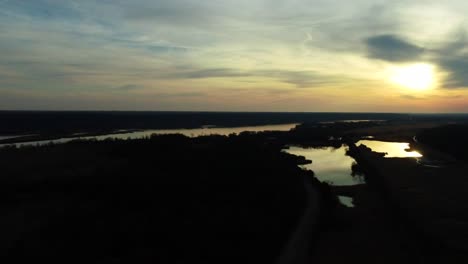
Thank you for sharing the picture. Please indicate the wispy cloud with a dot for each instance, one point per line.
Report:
(129, 87)
(301, 79)
(411, 97)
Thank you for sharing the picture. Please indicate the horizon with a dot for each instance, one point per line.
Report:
(245, 56)
(241, 112)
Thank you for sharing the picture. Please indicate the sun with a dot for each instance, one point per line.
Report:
(418, 76)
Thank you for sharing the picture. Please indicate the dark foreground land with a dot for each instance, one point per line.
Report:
(237, 199)
(168, 199)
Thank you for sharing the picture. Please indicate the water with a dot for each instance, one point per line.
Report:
(346, 201)
(7, 137)
(204, 131)
(392, 149)
(13, 136)
(329, 164)
(352, 121)
(332, 165)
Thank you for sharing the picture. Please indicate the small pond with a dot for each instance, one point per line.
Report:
(330, 165)
(392, 149)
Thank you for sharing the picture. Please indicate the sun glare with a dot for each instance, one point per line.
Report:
(416, 76)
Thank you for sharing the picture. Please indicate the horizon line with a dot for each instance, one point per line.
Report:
(245, 112)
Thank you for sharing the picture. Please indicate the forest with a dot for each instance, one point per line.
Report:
(164, 199)
(451, 139)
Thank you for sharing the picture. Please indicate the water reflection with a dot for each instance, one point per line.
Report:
(14, 136)
(210, 130)
(329, 164)
(352, 121)
(346, 201)
(392, 149)
(196, 132)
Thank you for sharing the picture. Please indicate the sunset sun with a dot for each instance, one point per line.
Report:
(415, 77)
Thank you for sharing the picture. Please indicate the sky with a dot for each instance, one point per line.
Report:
(243, 55)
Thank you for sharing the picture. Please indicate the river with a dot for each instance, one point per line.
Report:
(195, 132)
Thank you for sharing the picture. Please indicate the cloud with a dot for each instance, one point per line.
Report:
(301, 79)
(43, 9)
(129, 87)
(183, 94)
(164, 47)
(392, 48)
(172, 13)
(411, 97)
(457, 69)
(453, 59)
(208, 73)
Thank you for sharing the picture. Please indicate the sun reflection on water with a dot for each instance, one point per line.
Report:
(393, 149)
